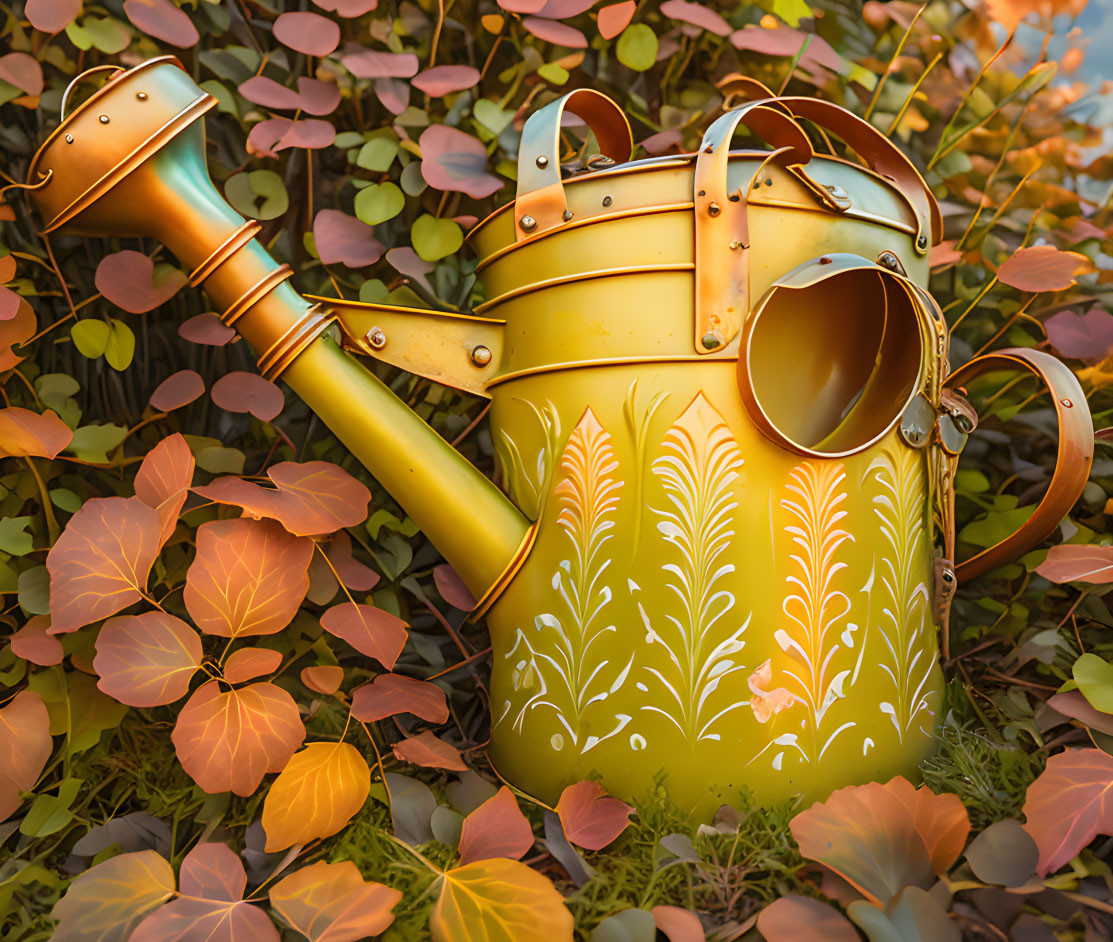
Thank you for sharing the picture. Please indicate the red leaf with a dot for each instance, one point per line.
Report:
(228, 741)
(682, 925)
(391, 694)
(1086, 336)
(264, 136)
(312, 133)
(553, 32)
(163, 20)
(369, 64)
(100, 563)
(331, 902)
(452, 588)
(25, 747)
(14, 330)
(163, 480)
(369, 630)
(943, 254)
(590, 819)
(497, 828)
(249, 577)
(308, 33)
(344, 239)
(108, 900)
(310, 498)
(785, 41)
(147, 660)
(34, 643)
(128, 279)
(615, 18)
(429, 751)
(323, 678)
(248, 392)
(249, 663)
(1042, 268)
(264, 91)
(23, 70)
(521, 6)
(51, 16)
(393, 93)
(1069, 805)
(1078, 562)
(352, 572)
(795, 918)
(177, 390)
(563, 9)
(348, 8)
(24, 433)
(444, 79)
(453, 160)
(317, 96)
(206, 329)
(696, 14)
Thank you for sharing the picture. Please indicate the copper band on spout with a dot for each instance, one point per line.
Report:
(236, 241)
(256, 293)
(296, 338)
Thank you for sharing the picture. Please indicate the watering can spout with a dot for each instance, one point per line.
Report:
(157, 185)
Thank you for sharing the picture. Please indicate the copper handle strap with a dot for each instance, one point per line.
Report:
(116, 69)
(540, 202)
(1072, 466)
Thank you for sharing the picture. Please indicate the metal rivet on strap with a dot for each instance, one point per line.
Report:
(566, 215)
(376, 338)
(711, 340)
(542, 161)
(607, 200)
(69, 138)
(481, 355)
(713, 209)
(922, 242)
(104, 119)
(528, 223)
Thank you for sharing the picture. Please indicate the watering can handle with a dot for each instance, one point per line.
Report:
(1072, 466)
(540, 202)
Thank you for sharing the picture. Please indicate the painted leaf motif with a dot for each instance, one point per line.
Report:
(323, 678)
(249, 577)
(331, 902)
(25, 747)
(33, 642)
(796, 918)
(390, 694)
(210, 905)
(1069, 805)
(100, 563)
(499, 900)
(497, 828)
(429, 751)
(107, 901)
(369, 630)
(249, 663)
(129, 279)
(881, 838)
(248, 392)
(24, 433)
(590, 819)
(163, 480)
(1042, 268)
(227, 741)
(147, 660)
(1078, 562)
(317, 793)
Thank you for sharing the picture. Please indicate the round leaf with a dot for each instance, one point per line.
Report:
(147, 660)
(434, 238)
(637, 47)
(378, 203)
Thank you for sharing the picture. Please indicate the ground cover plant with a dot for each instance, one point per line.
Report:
(239, 696)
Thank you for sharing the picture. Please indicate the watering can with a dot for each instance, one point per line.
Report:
(720, 542)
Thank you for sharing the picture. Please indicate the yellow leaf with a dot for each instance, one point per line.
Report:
(499, 901)
(317, 793)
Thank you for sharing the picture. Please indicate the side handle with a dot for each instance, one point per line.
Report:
(1072, 466)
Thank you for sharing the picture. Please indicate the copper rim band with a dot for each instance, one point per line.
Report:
(236, 241)
(297, 337)
(492, 594)
(256, 293)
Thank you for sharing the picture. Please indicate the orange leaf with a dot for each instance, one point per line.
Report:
(249, 577)
(147, 660)
(1069, 805)
(163, 480)
(323, 678)
(318, 792)
(210, 906)
(34, 643)
(331, 902)
(247, 392)
(177, 390)
(499, 900)
(17, 329)
(25, 746)
(613, 19)
(683, 925)
(352, 572)
(795, 918)
(228, 741)
(1009, 13)
(108, 900)
(129, 281)
(590, 819)
(452, 588)
(369, 630)
(882, 838)
(390, 694)
(309, 499)
(24, 433)
(248, 663)
(429, 751)
(1078, 562)
(101, 561)
(497, 828)
(1042, 268)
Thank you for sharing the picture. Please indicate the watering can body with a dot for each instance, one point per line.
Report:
(720, 542)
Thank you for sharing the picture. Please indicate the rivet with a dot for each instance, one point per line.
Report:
(528, 223)
(713, 209)
(1067, 403)
(104, 119)
(922, 242)
(481, 355)
(890, 261)
(142, 96)
(566, 215)
(69, 138)
(735, 244)
(824, 260)
(709, 149)
(542, 161)
(376, 338)
(607, 200)
(711, 340)
(768, 181)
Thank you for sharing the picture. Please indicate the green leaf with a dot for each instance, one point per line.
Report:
(120, 347)
(637, 47)
(107, 34)
(377, 154)
(14, 538)
(378, 203)
(260, 194)
(1094, 677)
(913, 916)
(48, 814)
(220, 460)
(65, 499)
(434, 238)
(90, 336)
(553, 73)
(34, 591)
(491, 116)
(94, 442)
(792, 11)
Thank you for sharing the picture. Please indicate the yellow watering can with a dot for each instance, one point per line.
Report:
(721, 539)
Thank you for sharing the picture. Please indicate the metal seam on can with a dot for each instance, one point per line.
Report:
(609, 361)
(256, 293)
(218, 256)
(506, 577)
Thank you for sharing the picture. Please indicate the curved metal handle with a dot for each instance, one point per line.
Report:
(81, 78)
(540, 202)
(1072, 465)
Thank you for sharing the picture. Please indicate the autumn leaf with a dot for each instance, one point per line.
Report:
(796, 918)
(129, 279)
(177, 390)
(107, 901)
(351, 571)
(881, 838)
(317, 793)
(25, 747)
(590, 819)
(323, 678)
(369, 630)
(147, 660)
(452, 588)
(331, 902)
(242, 392)
(33, 642)
(429, 751)
(1009, 13)
(682, 925)
(497, 828)
(24, 434)
(101, 562)
(1078, 562)
(390, 694)
(227, 741)
(163, 480)
(248, 663)
(249, 577)
(499, 900)
(1042, 268)
(1069, 805)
